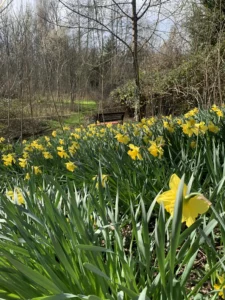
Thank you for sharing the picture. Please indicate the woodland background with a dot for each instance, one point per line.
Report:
(55, 54)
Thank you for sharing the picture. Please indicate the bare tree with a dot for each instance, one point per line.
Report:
(131, 15)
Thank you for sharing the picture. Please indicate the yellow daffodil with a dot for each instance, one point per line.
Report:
(23, 162)
(73, 148)
(179, 121)
(134, 152)
(25, 154)
(75, 135)
(47, 138)
(217, 110)
(191, 113)
(8, 159)
(36, 145)
(104, 180)
(62, 153)
(2, 139)
(124, 139)
(70, 166)
(47, 155)
(192, 205)
(27, 176)
(155, 150)
(168, 126)
(220, 287)
(16, 196)
(189, 127)
(37, 170)
(66, 128)
(54, 133)
(200, 128)
(151, 121)
(213, 128)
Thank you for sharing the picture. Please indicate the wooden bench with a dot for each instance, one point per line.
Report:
(113, 118)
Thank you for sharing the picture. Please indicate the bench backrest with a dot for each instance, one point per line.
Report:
(110, 117)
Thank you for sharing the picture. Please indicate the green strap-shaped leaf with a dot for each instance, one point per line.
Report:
(96, 270)
(35, 276)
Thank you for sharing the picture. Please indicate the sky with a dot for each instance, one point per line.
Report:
(164, 26)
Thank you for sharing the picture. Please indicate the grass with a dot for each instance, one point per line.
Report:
(82, 109)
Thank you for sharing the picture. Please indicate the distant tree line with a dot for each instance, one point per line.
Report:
(113, 50)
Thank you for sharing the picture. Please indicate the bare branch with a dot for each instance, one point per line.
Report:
(151, 5)
(120, 8)
(6, 6)
(98, 22)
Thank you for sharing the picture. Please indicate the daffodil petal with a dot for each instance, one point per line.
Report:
(199, 204)
(168, 199)
(192, 208)
(189, 221)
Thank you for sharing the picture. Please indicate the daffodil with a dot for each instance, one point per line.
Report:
(220, 288)
(23, 162)
(37, 170)
(54, 133)
(75, 135)
(104, 179)
(168, 126)
(151, 121)
(27, 176)
(213, 128)
(191, 113)
(70, 166)
(217, 110)
(36, 145)
(124, 139)
(189, 127)
(134, 152)
(155, 150)
(16, 196)
(47, 155)
(62, 153)
(8, 159)
(193, 204)
(201, 128)
(179, 121)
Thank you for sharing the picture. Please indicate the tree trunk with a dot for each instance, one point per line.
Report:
(140, 103)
